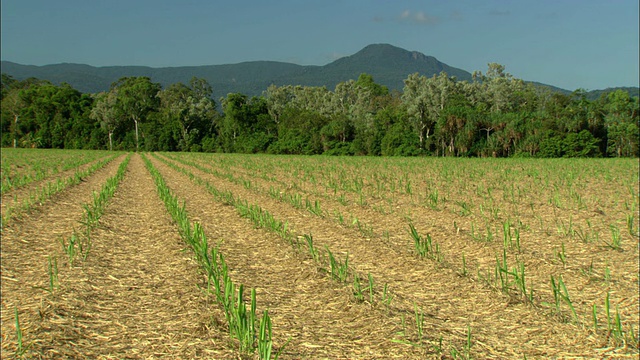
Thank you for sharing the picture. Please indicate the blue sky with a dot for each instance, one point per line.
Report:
(570, 44)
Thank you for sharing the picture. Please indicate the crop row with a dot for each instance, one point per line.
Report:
(363, 287)
(21, 167)
(405, 294)
(243, 324)
(501, 276)
(78, 244)
(49, 189)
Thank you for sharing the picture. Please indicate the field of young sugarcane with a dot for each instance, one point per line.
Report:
(192, 255)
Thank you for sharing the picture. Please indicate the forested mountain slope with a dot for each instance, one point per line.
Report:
(388, 64)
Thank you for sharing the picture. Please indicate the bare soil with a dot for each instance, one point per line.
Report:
(501, 324)
(140, 294)
(135, 296)
(27, 244)
(319, 317)
(15, 197)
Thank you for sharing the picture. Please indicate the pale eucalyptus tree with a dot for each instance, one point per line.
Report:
(137, 97)
(425, 99)
(278, 98)
(106, 113)
(416, 98)
(189, 107)
(12, 103)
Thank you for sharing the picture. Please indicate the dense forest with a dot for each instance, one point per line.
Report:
(494, 114)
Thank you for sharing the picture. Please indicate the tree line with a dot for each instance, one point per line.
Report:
(494, 115)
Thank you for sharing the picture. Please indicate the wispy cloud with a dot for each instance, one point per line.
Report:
(500, 12)
(419, 17)
(416, 17)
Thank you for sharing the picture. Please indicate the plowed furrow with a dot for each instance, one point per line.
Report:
(318, 315)
(27, 243)
(136, 295)
(451, 304)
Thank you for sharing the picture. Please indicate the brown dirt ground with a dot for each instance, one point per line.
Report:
(26, 245)
(539, 246)
(15, 197)
(523, 329)
(318, 315)
(135, 296)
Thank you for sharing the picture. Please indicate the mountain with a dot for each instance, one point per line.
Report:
(249, 78)
(389, 66)
(595, 94)
(592, 94)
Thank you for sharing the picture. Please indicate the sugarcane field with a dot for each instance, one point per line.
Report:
(113, 254)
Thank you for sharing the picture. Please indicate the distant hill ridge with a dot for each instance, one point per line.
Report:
(389, 65)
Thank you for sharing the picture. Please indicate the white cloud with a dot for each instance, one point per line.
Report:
(419, 17)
